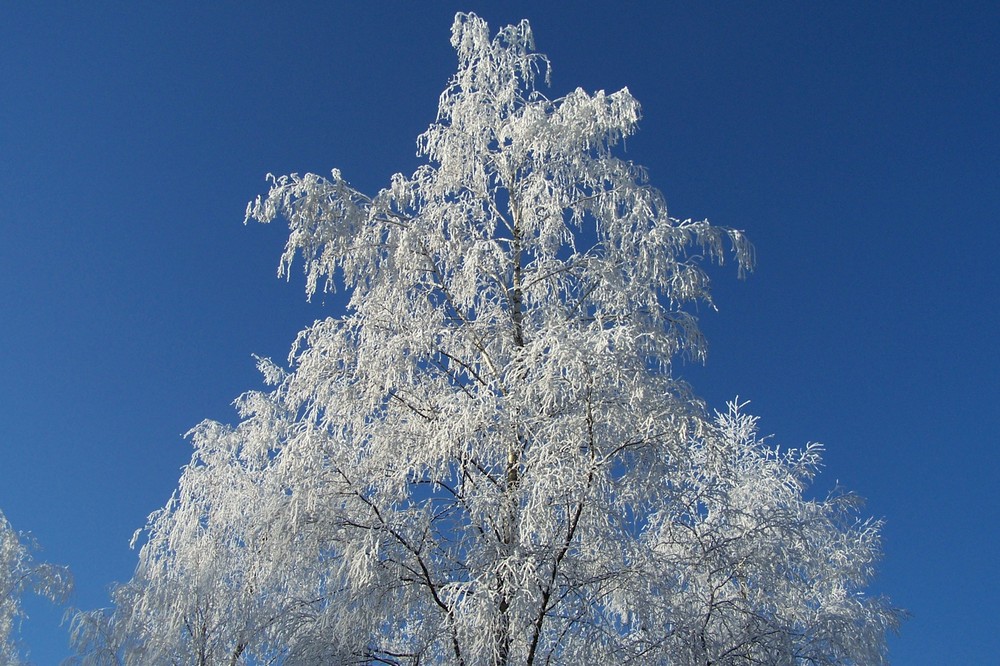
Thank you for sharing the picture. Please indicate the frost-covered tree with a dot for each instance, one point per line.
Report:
(487, 459)
(206, 591)
(20, 573)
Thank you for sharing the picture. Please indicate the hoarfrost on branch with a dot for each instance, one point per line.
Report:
(21, 573)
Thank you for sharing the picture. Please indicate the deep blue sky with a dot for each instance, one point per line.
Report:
(858, 145)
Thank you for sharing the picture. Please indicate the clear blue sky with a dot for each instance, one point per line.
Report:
(857, 143)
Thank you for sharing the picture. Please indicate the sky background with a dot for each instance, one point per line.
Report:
(857, 143)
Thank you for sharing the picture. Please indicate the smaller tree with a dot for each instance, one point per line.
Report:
(758, 573)
(21, 573)
(205, 591)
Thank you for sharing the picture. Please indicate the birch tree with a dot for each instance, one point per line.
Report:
(21, 573)
(487, 458)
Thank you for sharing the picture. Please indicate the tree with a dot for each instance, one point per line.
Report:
(20, 573)
(487, 459)
(204, 591)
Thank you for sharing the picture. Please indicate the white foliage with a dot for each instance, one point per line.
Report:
(486, 460)
(20, 573)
